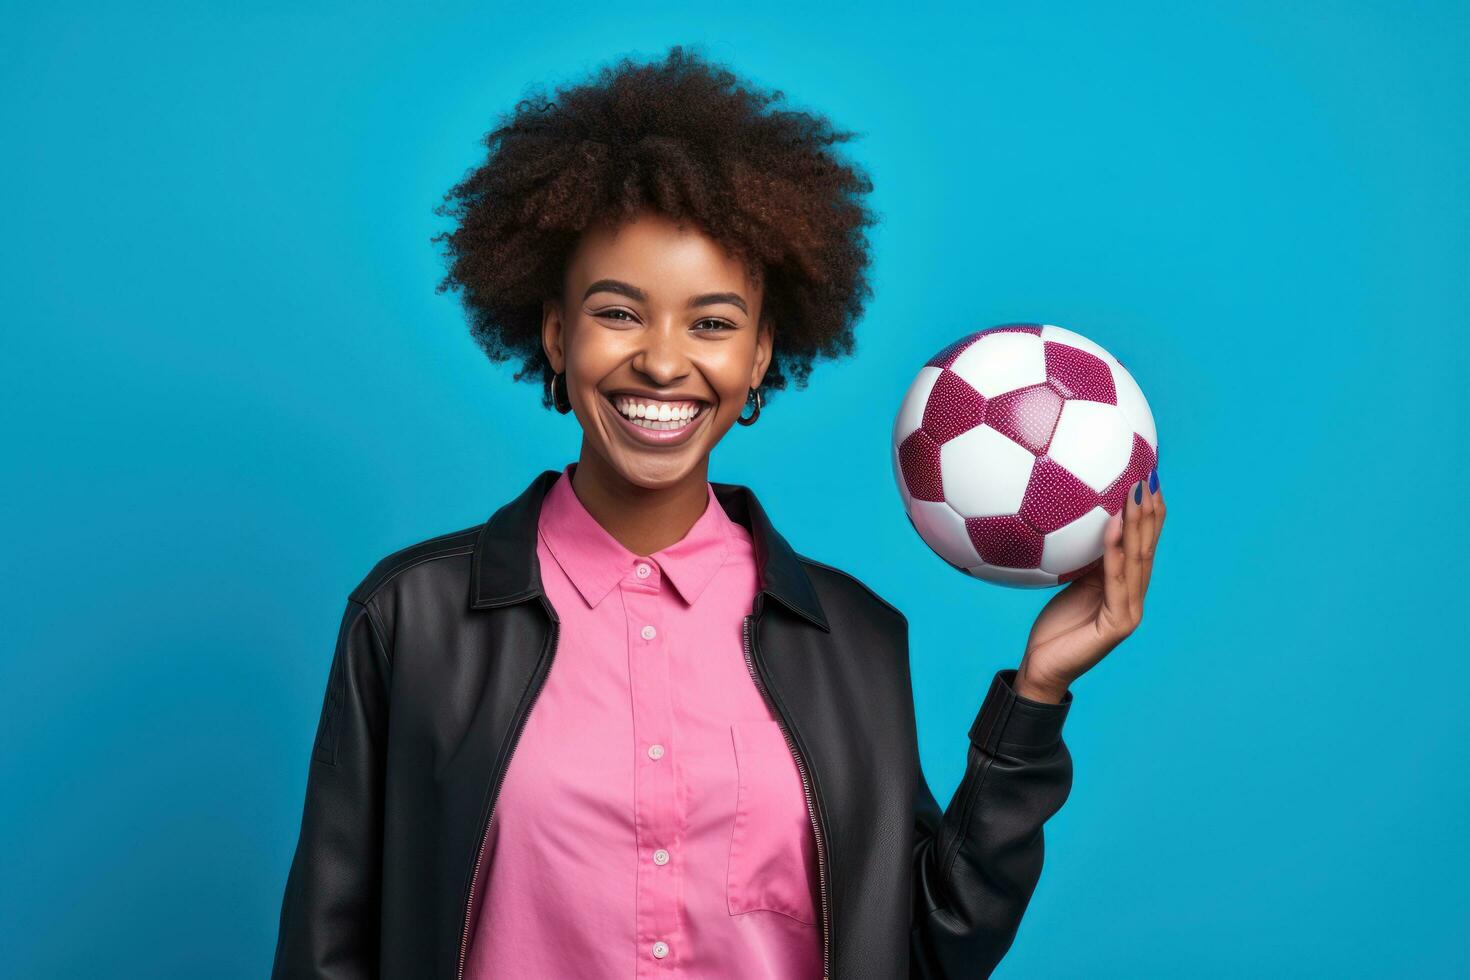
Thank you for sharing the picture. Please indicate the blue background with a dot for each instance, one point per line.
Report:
(229, 387)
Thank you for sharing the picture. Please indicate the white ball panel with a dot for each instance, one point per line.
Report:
(911, 410)
(1025, 578)
(944, 531)
(1074, 544)
(1002, 362)
(1134, 406)
(1093, 441)
(984, 473)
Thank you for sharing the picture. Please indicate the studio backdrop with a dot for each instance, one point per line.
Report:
(230, 387)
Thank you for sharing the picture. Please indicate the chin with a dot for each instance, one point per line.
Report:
(656, 474)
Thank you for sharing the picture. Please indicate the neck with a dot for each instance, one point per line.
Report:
(642, 520)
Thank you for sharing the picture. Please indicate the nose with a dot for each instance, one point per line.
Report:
(662, 356)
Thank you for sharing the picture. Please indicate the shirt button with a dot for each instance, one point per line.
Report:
(649, 632)
(660, 949)
(660, 856)
(643, 570)
(655, 751)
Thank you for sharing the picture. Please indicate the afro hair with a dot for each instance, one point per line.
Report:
(690, 140)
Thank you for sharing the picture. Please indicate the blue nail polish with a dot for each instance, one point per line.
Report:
(1153, 480)
(1138, 492)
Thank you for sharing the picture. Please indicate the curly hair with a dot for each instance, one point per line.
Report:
(685, 138)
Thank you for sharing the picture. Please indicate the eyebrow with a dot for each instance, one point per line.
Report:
(633, 292)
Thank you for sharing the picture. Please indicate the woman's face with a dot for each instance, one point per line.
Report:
(655, 320)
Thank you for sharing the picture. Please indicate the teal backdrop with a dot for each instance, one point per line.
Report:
(230, 387)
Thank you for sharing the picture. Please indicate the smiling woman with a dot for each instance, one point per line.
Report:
(632, 729)
(669, 234)
(684, 138)
(658, 353)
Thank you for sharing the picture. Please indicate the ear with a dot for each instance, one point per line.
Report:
(764, 345)
(552, 335)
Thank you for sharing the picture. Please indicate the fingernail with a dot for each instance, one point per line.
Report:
(1138, 492)
(1153, 480)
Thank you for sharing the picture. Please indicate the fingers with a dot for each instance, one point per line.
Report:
(1148, 520)
(1129, 542)
(1133, 531)
(1114, 581)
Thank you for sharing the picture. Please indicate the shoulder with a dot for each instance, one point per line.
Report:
(392, 567)
(834, 584)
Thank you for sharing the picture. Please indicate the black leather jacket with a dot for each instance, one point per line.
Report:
(442, 650)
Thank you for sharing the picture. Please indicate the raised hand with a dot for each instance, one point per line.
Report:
(1094, 613)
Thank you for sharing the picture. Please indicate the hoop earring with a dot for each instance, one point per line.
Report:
(755, 393)
(560, 399)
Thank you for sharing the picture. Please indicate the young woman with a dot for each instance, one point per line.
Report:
(622, 728)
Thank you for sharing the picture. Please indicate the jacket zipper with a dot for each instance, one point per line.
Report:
(806, 788)
(464, 940)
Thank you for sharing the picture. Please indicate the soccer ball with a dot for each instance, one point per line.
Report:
(1013, 447)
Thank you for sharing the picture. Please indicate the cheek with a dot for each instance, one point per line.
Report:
(730, 376)
(590, 362)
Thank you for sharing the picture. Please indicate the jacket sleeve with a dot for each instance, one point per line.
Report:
(977, 862)
(329, 913)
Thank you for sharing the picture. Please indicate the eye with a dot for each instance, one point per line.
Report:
(609, 313)
(719, 325)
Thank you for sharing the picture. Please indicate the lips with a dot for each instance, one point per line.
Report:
(657, 437)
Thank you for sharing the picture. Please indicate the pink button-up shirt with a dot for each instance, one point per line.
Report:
(652, 821)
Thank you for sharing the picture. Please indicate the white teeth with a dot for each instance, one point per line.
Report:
(660, 416)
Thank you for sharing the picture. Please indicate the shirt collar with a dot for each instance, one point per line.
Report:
(505, 569)
(595, 561)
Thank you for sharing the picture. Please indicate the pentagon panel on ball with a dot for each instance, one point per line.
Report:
(1014, 445)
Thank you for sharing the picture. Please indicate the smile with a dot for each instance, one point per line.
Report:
(658, 423)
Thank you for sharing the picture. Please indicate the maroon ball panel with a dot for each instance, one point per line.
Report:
(946, 357)
(1026, 415)
(1005, 541)
(1140, 462)
(1054, 497)
(1034, 329)
(1078, 573)
(918, 457)
(953, 407)
(1077, 374)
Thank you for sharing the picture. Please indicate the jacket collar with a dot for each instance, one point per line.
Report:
(505, 568)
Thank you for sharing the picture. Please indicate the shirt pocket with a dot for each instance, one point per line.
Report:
(772, 851)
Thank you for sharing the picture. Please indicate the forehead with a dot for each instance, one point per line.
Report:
(659, 255)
